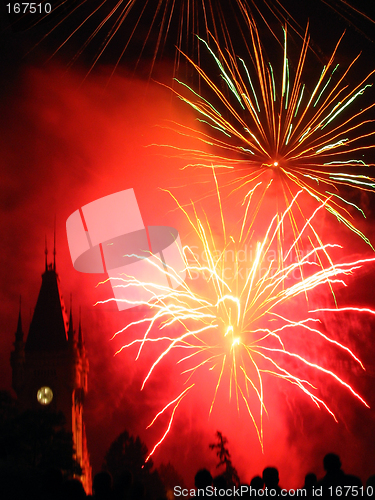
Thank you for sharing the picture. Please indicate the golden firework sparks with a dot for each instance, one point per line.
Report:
(229, 322)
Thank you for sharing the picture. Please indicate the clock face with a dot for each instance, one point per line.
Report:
(44, 395)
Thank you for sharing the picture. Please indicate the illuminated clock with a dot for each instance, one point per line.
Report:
(44, 395)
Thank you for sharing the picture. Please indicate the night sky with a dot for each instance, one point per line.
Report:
(67, 138)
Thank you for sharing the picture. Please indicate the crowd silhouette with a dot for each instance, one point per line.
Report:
(335, 484)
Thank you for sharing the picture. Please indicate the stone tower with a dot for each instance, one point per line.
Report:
(50, 368)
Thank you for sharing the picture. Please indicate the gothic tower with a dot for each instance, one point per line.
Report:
(50, 368)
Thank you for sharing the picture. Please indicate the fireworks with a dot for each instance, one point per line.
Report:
(228, 323)
(126, 28)
(141, 33)
(131, 28)
(305, 138)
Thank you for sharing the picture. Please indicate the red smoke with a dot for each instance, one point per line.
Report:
(65, 143)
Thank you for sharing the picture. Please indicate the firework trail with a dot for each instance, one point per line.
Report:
(262, 128)
(138, 32)
(228, 322)
(129, 27)
(142, 32)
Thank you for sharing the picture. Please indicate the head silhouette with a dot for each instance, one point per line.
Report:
(257, 483)
(271, 477)
(102, 484)
(331, 463)
(310, 480)
(203, 478)
(73, 489)
(220, 482)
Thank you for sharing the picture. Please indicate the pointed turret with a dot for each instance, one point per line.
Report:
(71, 332)
(54, 246)
(19, 332)
(17, 357)
(48, 328)
(45, 253)
(81, 343)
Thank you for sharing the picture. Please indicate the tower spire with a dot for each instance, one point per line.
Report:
(19, 332)
(54, 245)
(49, 324)
(46, 252)
(80, 334)
(70, 330)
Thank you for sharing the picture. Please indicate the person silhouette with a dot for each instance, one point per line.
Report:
(202, 480)
(370, 487)
(257, 483)
(311, 482)
(270, 477)
(336, 484)
(72, 489)
(102, 485)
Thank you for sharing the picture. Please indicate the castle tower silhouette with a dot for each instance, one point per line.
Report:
(50, 368)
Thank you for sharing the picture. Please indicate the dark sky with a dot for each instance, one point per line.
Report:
(66, 140)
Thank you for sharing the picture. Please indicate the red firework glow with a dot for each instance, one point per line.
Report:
(231, 327)
(63, 146)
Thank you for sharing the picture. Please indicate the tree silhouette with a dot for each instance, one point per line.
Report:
(128, 454)
(8, 407)
(223, 454)
(170, 478)
(31, 443)
(34, 439)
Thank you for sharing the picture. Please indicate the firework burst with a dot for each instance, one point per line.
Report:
(227, 321)
(139, 33)
(131, 27)
(262, 127)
